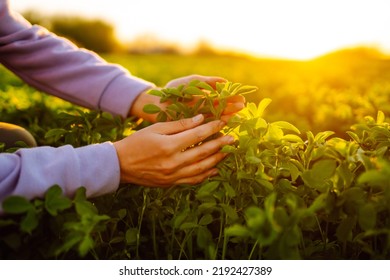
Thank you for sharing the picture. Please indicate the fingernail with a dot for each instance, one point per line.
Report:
(197, 118)
(229, 139)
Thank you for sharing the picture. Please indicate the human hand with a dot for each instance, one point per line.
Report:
(158, 155)
(234, 103)
(211, 80)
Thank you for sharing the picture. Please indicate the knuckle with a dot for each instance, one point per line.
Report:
(199, 136)
(199, 168)
(167, 169)
(166, 148)
(183, 123)
(203, 153)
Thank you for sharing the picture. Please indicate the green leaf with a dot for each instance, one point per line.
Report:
(244, 90)
(205, 86)
(30, 221)
(188, 225)
(107, 116)
(373, 178)
(292, 138)
(322, 136)
(274, 133)
(253, 109)
(206, 219)
(208, 188)
(16, 205)
(255, 217)
(286, 126)
(320, 173)
(131, 236)
(354, 136)
(367, 216)
(228, 149)
(180, 218)
(230, 212)
(55, 133)
(262, 106)
(174, 107)
(203, 237)
(281, 217)
(122, 213)
(86, 244)
(162, 117)
(220, 86)
(380, 117)
(151, 109)
(319, 203)
(193, 90)
(85, 208)
(80, 194)
(237, 230)
(252, 159)
(155, 92)
(230, 192)
(55, 201)
(294, 171)
(344, 230)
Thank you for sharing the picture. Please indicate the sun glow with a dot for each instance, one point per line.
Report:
(297, 29)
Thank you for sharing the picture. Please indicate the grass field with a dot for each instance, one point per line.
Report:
(308, 177)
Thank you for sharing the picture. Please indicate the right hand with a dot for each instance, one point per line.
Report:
(157, 155)
(234, 103)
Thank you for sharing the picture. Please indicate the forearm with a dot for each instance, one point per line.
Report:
(56, 66)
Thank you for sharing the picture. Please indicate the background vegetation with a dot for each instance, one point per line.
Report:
(308, 177)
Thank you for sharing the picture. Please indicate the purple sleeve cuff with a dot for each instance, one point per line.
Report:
(121, 93)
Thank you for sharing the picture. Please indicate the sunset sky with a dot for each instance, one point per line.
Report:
(296, 29)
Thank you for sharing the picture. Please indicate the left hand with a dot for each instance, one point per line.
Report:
(235, 103)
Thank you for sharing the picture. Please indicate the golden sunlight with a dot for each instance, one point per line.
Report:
(298, 29)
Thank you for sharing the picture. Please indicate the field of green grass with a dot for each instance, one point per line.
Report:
(308, 177)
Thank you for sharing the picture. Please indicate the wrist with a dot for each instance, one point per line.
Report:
(139, 103)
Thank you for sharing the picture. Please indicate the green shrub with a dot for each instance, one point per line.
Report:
(280, 194)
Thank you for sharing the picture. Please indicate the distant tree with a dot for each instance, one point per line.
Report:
(204, 48)
(93, 34)
(149, 43)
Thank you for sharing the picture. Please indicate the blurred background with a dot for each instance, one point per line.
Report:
(294, 29)
(325, 63)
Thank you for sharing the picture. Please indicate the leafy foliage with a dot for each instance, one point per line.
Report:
(281, 193)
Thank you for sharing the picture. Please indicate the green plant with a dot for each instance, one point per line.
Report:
(195, 98)
(280, 194)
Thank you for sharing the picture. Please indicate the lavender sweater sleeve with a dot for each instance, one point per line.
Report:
(58, 67)
(30, 172)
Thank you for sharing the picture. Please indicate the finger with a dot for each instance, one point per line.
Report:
(233, 108)
(173, 127)
(226, 118)
(203, 151)
(198, 178)
(236, 99)
(199, 169)
(212, 80)
(193, 136)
